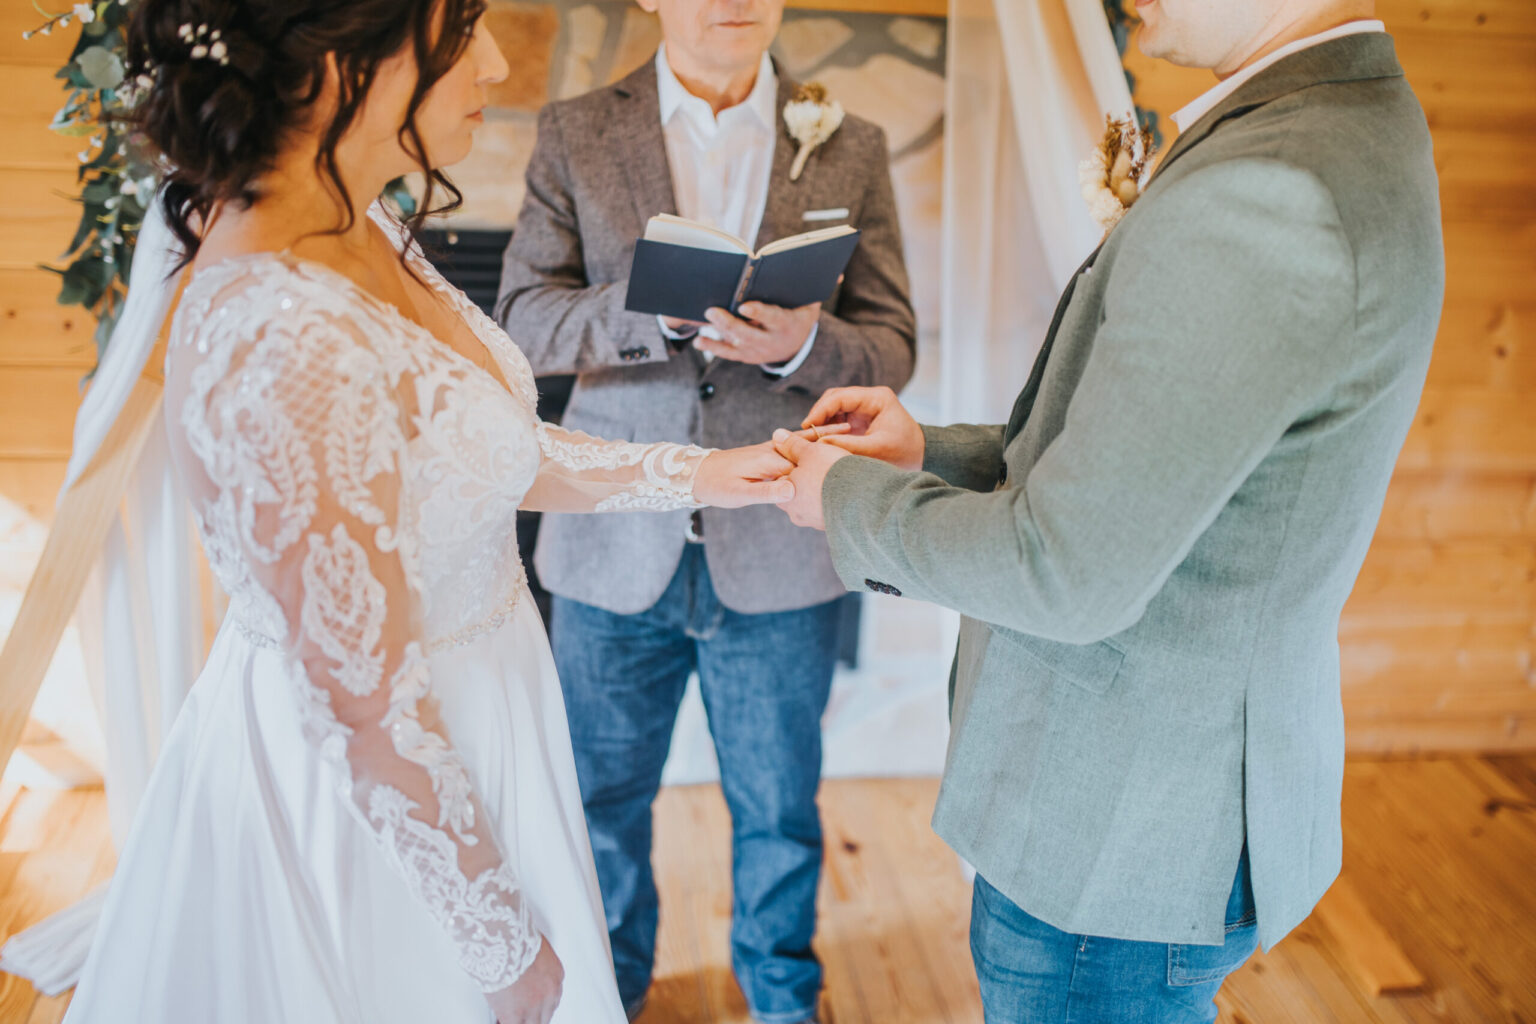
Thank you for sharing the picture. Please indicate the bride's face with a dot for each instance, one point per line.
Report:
(450, 113)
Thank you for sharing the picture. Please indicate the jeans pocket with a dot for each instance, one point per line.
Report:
(1202, 965)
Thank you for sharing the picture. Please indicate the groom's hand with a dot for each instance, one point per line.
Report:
(812, 459)
(754, 475)
(879, 426)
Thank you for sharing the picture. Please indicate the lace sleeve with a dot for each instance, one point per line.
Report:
(579, 473)
(301, 437)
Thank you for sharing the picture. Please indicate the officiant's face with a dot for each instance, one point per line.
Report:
(1216, 34)
(723, 35)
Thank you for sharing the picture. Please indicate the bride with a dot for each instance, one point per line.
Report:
(367, 811)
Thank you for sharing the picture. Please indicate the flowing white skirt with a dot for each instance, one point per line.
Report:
(248, 894)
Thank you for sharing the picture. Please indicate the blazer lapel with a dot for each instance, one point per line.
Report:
(1348, 58)
(638, 145)
(787, 200)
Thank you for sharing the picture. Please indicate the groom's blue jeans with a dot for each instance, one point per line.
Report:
(765, 681)
(1032, 973)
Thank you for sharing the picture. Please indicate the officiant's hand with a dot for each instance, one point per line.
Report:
(767, 335)
(812, 459)
(879, 426)
(532, 998)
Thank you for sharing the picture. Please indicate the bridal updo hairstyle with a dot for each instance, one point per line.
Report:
(225, 81)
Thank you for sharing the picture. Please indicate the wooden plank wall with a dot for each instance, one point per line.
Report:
(1439, 637)
(1437, 640)
(45, 349)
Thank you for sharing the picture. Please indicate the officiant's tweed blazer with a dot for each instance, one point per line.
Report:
(598, 172)
(1153, 553)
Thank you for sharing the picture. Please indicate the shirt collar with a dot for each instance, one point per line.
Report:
(1209, 99)
(672, 95)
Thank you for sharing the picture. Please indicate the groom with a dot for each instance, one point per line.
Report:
(1152, 554)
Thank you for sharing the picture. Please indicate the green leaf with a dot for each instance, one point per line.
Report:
(75, 287)
(75, 129)
(102, 68)
(84, 231)
(99, 190)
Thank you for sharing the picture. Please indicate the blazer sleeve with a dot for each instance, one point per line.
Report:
(561, 321)
(870, 337)
(1228, 318)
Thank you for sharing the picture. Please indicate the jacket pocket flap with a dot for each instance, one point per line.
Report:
(1090, 666)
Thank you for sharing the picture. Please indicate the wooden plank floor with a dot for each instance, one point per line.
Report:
(1443, 852)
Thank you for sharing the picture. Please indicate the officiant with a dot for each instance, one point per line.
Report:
(744, 598)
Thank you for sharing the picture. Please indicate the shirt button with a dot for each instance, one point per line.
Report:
(706, 391)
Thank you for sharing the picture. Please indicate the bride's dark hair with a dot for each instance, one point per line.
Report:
(225, 82)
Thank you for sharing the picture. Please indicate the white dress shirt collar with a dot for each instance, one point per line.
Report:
(673, 96)
(1227, 86)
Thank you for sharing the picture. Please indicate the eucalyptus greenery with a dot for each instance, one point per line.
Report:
(116, 176)
(114, 179)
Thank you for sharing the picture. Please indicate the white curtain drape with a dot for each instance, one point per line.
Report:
(1029, 83)
(140, 617)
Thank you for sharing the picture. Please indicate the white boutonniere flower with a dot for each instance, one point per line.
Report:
(811, 120)
(1114, 174)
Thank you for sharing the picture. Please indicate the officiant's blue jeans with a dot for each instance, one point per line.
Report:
(1032, 973)
(765, 681)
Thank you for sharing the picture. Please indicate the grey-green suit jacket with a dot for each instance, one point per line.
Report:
(1153, 554)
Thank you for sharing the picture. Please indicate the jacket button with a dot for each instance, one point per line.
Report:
(707, 390)
(872, 585)
(642, 353)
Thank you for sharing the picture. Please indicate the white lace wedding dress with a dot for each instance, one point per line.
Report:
(367, 811)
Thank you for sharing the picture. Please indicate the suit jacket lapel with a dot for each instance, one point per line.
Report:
(637, 143)
(1348, 58)
(1026, 400)
(787, 200)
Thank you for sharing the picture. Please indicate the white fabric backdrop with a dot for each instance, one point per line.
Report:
(1029, 83)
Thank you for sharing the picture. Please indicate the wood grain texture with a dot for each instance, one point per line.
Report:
(1437, 854)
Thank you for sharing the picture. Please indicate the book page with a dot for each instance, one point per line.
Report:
(664, 227)
(808, 238)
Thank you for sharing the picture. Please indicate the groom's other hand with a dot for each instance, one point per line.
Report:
(812, 459)
(879, 426)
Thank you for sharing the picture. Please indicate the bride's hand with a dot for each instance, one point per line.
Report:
(532, 998)
(754, 475)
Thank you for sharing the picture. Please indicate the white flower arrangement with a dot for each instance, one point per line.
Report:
(1113, 175)
(811, 120)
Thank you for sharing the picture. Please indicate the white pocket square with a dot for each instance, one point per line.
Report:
(841, 213)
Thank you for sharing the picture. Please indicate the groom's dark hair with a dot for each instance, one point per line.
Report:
(218, 116)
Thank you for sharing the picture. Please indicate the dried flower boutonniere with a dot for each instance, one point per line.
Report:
(1114, 174)
(811, 120)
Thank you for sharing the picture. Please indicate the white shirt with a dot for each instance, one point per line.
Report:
(721, 165)
(1208, 100)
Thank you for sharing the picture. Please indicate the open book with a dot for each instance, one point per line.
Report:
(682, 268)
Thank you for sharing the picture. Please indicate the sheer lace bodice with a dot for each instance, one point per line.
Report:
(356, 484)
